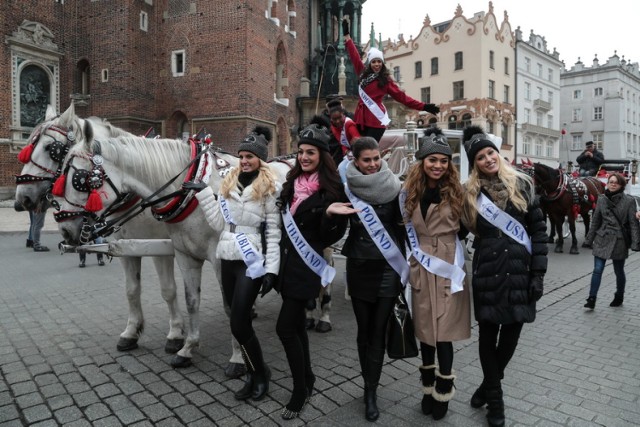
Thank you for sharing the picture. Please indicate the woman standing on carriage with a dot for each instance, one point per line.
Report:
(509, 261)
(246, 204)
(311, 186)
(375, 83)
(373, 271)
(440, 297)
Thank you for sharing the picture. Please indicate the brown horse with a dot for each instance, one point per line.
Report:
(562, 195)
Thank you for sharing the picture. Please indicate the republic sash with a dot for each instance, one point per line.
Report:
(311, 258)
(503, 221)
(251, 257)
(382, 116)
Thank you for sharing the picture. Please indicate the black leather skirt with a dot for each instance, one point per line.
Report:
(368, 279)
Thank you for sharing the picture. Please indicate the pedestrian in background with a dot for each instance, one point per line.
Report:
(590, 160)
(83, 255)
(440, 300)
(614, 230)
(374, 83)
(373, 278)
(509, 261)
(36, 223)
(311, 186)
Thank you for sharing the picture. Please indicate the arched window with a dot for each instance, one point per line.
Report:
(35, 93)
(282, 82)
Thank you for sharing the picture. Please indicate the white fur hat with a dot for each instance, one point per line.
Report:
(374, 53)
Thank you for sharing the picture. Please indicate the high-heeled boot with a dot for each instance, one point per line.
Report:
(373, 370)
(443, 392)
(495, 406)
(428, 378)
(258, 374)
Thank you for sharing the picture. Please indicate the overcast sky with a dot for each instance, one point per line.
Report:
(575, 28)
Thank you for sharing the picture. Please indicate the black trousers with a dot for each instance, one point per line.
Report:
(497, 344)
(240, 292)
(291, 330)
(375, 133)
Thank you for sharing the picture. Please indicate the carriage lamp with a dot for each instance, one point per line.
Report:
(411, 138)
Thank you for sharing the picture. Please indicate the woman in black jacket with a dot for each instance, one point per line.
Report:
(373, 283)
(509, 261)
(311, 186)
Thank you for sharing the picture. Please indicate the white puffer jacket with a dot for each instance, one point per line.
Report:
(247, 214)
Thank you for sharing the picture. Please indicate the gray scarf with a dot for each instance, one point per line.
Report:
(378, 188)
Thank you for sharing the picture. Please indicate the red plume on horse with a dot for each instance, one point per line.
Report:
(563, 196)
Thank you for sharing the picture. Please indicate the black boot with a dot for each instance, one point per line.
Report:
(443, 392)
(478, 400)
(29, 243)
(245, 392)
(362, 358)
(591, 303)
(255, 363)
(373, 369)
(428, 378)
(495, 406)
(617, 301)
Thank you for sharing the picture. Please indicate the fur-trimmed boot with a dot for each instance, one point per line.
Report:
(443, 392)
(428, 378)
(495, 406)
(375, 357)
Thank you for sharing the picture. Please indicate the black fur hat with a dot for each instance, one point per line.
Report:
(257, 142)
(475, 139)
(433, 142)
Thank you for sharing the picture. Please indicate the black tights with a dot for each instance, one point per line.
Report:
(240, 292)
(496, 352)
(375, 133)
(372, 319)
(291, 330)
(445, 356)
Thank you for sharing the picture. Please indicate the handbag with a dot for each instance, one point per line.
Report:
(401, 340)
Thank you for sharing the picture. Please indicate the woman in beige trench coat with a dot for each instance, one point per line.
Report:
(440, 314)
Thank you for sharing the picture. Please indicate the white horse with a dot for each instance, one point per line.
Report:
(50, 141)
(142, 167)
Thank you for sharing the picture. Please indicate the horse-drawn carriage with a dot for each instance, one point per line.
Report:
(623, 167)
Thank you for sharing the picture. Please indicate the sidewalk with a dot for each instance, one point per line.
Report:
(12, 221)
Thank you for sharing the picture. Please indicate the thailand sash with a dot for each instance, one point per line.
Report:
(311, 258)
(454, 272)
(343, 135)
(503, 221)
(251, 257)
(373, 107)
(380, 236)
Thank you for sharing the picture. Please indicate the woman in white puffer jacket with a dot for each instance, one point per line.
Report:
(244, 209)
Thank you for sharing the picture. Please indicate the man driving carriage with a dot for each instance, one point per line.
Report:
(590, 160)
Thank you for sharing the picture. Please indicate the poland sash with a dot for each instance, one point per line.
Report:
(251, 257)
(454, 272)
(503, 221)
(380, 236)
(373, 107)
(315, 262)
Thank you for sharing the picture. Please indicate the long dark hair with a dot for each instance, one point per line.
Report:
(383, 76)
(328, 176)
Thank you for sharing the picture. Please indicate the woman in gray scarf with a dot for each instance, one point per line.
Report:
(373, 283)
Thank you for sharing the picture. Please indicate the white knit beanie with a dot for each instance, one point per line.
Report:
(374, 53)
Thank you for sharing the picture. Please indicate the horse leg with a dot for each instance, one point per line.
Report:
(574, 240)
(191, 269)
(552, 230)
(324, 299)
(559, 220)
(135, 323)
(586, 219)
(175, 338)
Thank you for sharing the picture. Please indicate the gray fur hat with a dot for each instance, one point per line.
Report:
(257, 142)
(433, 142)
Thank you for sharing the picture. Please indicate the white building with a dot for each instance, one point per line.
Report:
(601, 103)
(538, 135)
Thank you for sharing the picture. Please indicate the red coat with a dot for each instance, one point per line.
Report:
(364, 117)
(351, 130)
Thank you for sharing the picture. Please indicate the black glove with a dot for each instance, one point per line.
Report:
(268, 281)
(431, 108)
(345, 27)
(536, 288)
(195, 186)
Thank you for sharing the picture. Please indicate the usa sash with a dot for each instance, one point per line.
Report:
(454, 272)
(380, 236)
(311, 258)
(382, 116)
(503, 221)
(251, 257)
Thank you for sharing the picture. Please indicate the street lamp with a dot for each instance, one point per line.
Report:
(634, 170)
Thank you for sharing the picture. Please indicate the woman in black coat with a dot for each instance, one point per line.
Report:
(508, 272)
(311, 186)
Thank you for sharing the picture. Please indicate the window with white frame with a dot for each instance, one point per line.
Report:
(178, 58)
(425, 94)
(549, 121)
(506, 65)
(526, 146)
(458, 61)
(458, 90)
(549, 149)
(527, 64)
(539, 68)
(550, 97)
(396, 73)
(550, 74)
(576, 115)
(598, 140)
(418, 69)
(492, 89)
(144, 21)
(527, 115)
(597, 113)
(597, 91)
(576, 141)
(537, 147)
(539, 118)
(577, 94)
(527, 91)
(538, 92)
(506, 94)
(491, 59)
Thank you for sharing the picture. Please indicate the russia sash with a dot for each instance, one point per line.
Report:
(311, 258)
(503, 221)
(251, 257)
(382, 116)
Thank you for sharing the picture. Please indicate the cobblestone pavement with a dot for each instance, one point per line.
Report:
(59, 365)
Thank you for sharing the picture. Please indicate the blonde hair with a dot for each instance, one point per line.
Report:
(416, 183)
(263, 185)
(519, 189)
